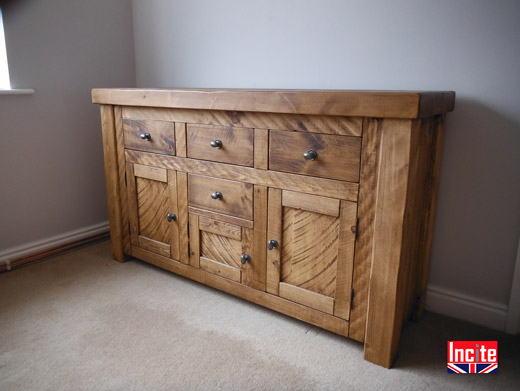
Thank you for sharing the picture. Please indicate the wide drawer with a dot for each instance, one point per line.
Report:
(150, 135)
(221, 195)
(220, 144)
(336, 157)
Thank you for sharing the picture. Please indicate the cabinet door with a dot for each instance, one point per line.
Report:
(311, 250)
(152, 204)
(220, 247)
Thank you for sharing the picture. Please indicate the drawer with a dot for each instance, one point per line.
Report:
(338, 157)
(221, 195)
(150, 135)
(224, 144)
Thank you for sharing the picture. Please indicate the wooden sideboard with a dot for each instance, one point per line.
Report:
(316, 204)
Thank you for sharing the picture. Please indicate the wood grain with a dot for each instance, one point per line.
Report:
(220, 228)
(307, 298)
(155, 246)
(221, 217)
(194, 240)
(310, 250)
(132, 205)
(112, 182)
(348, 126)
(383, 327)
(274, 231)
(366, 213)
(298, 311)
(121, 166)
(220, 248)
(261, 149)
(231, 273)
(152, 209)
(152, 173)
(379, 104)
(432, 187)
(312, 203)
(237, 144)
(338, 156)
(346, 242)
(319, 186)
(237, 197)
(173, 207)
(180, 139)
(255, 271)
(162, 135)
(182, 216)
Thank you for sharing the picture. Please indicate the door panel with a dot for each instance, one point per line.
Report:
(312, 264)
(152, 196)
(217, 247)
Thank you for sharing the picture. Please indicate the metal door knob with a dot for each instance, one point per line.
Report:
(311, 154)
(245, 259)
(171, 217)
(272, 244)
(216, 195)
(216, 144)
(145, 136)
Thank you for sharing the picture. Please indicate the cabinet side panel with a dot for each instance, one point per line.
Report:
(432, 187)
(112, 181)
(383, 319)
(120, 145)
(365, 240)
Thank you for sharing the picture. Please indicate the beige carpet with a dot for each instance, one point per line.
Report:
(81, 321)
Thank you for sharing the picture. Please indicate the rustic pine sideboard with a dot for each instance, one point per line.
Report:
(316, 204)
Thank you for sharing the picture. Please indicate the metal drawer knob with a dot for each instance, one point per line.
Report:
(311, 154)
(245, 259)
(216, 195)
(272, 244)
(145, 136)
(171, 217)
(216, 144)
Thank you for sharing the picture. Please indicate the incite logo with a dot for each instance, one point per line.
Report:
(472, 356)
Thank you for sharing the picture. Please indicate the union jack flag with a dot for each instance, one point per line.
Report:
(472, 368)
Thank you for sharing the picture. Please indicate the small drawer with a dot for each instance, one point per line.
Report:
(224, 144)
(149, 135)
(322, 155)
(221, 195)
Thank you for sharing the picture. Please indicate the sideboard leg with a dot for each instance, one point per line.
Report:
(112, 181)
(435, 134)
(386, 296)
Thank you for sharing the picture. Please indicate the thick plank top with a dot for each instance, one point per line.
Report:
(380, 104)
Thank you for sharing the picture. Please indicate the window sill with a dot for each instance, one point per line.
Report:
(17, 91)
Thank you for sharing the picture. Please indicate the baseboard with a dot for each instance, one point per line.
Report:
(465, 307)
(34, 251)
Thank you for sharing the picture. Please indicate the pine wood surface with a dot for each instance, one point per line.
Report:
(313, 185)
(162, 135)
(338, 156)
(237, 197)
(354, 226)
(237, 144)
(379, 104)
(348, 126)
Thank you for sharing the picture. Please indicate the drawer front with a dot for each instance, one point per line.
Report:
(221, 195)
(220, 144)
(149, 135)
(338, 157)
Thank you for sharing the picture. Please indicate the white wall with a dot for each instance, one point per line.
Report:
(470, 46)
(51, 157)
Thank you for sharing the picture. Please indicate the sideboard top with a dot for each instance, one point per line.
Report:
(380, 104)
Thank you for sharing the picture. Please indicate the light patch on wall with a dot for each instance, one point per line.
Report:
(5, 83)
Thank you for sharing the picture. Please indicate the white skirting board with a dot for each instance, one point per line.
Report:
(31, 248)
(465, 307)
